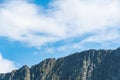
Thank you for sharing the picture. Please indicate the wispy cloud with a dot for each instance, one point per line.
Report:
(65, 19)
(6, 65)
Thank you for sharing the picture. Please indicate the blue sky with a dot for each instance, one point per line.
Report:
(33, 30)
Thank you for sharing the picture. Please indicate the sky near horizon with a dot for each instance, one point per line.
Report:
(33, 30)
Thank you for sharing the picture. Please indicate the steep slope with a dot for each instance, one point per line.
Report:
(86, 65)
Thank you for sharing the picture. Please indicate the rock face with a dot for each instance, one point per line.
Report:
(86, 65)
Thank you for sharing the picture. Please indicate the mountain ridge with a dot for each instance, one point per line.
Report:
(86, 65)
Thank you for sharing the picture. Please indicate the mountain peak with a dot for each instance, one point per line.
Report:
(86, 65)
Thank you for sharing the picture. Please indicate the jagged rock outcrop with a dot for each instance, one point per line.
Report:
(86, 65)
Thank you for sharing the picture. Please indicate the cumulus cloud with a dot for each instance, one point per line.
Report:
(65, 19)
(6, 65)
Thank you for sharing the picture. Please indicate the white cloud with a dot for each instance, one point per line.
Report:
(26, 22)
(6, 65)
(104, 36)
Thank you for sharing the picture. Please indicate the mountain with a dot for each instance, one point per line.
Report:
(86, 65)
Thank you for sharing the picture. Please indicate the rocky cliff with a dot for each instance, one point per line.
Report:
(86, 65)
